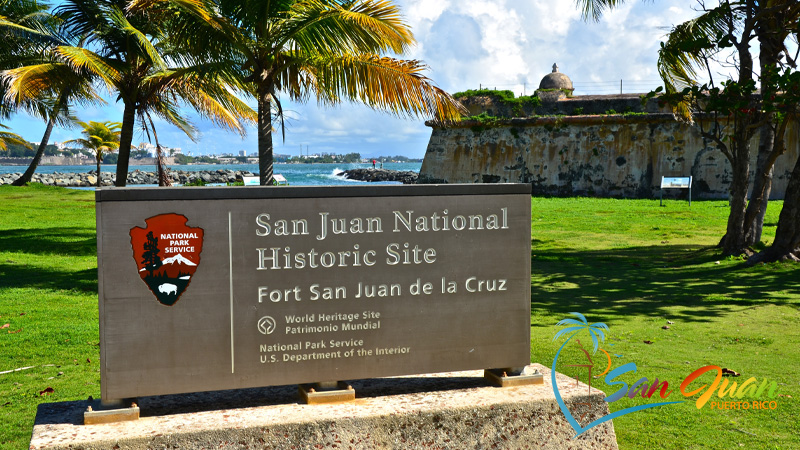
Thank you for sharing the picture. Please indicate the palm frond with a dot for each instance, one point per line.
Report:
(688, 44)
(85, 143)
(82, 18)
(198, 8)
(207, 94)
(83, 59)
(396, 86)
(594, 9)
(172, 114)
(8, 137)
(328, 27)
(119, 19)
(28, 33)
(99, 137)
(36, 81)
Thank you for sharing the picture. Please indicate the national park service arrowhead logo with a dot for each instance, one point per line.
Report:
(167, 253)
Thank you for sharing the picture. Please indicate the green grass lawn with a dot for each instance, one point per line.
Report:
(634, 266)
(628, 263)
(48, 298)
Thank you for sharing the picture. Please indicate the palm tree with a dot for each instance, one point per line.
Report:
(29, 36)
(48, 88)
(141, 57)
(330, 50)
(100, 138)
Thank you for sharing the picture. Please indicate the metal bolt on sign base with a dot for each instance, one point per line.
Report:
(326, 392)
(510, 377)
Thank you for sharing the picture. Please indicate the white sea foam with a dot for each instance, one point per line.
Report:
(336, 175)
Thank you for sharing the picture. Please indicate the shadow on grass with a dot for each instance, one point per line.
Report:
(651, 281)
(75, 241)
(25, 276)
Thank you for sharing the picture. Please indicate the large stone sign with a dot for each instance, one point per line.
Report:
(219, 288)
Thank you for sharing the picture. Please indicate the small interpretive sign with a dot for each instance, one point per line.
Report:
(251, 181)
(675, 183)
(217, 288)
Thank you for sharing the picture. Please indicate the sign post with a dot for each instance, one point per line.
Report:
(208, 288)
(675, 183)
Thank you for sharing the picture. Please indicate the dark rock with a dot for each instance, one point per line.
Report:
(373, 175)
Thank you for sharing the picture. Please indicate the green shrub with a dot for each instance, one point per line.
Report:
(504, 96)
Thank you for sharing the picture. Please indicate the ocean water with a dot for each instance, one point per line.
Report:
(295, 174)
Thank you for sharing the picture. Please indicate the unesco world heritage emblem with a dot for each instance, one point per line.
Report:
(167, 254)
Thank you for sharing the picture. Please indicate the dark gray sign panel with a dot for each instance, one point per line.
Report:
(220, 288)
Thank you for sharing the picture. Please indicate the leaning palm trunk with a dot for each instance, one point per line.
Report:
(51, 121)
(161, 164)
(163, 171)
(26, 177)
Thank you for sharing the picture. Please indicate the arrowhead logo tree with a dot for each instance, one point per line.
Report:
(167, 254)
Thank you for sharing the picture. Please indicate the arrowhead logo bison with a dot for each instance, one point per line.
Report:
(167, 253)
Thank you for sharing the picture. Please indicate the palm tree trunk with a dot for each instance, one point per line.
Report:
(26, 177)
(161, 167)
(265, 134)
(125, 139)
(163, 172)
(99, 180)
(51, 121)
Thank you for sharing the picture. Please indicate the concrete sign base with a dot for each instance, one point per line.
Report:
(451, 410)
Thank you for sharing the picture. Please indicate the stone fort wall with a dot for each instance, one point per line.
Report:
(602, 155)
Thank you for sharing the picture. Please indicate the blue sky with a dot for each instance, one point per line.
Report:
(508, 44)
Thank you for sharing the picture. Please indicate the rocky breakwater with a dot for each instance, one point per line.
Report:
(137, 177)
(372, 175)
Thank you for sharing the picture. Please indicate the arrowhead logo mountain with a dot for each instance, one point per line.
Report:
(167, 254)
